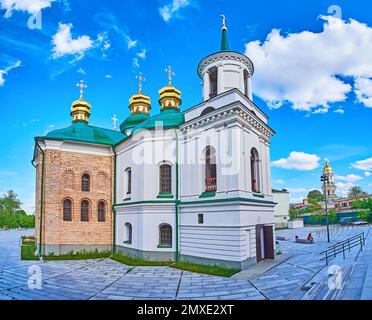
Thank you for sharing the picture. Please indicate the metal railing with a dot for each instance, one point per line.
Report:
(211, 184)
(343, 247)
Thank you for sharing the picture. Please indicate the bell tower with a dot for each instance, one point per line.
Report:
(329, 187)
(225, 70)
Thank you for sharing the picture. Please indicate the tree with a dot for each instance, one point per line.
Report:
(356, 192)
(365, 204)
(10, 203)
(315, 196)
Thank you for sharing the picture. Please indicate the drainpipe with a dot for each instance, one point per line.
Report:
(41, 196)
(113, 206)
(177, 201)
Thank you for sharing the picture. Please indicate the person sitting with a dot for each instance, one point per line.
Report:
(310, 237)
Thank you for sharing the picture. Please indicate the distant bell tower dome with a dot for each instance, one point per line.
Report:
(225, 70)
(329, 187)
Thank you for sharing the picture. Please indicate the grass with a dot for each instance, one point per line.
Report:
(28, 252)
(210, 270)
(138, 262)
(84, 255)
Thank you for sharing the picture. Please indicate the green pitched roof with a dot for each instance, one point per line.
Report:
(133, 120)
(169, 118)
(224, 40)
(83, 132)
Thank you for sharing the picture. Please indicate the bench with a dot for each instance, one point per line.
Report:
(304, 241)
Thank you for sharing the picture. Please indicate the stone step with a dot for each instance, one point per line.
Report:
(367, 286)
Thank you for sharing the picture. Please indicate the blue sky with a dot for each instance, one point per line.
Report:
(313, 77)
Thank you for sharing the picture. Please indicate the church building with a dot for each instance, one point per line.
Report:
(191, 185)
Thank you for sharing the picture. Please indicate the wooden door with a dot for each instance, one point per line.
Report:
(269, 242)
(258, 243)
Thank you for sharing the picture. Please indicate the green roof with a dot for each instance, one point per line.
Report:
(83, 132)
(133, 120)
(168, 118)
(224, 40)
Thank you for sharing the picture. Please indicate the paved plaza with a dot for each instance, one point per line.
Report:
(297, 272)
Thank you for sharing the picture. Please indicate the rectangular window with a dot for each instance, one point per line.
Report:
(129, 177)
(165, 178)
(200, 218)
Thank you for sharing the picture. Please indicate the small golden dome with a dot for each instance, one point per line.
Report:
(170, 97)
(80, 110)
(140, 103)
(327, 167)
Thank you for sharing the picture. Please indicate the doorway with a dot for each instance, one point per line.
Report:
(264, 242)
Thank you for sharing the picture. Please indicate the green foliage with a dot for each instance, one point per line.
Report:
(199, 268)
(137, 262)
(11, 214)
(315, 196)
(332, 217)
(82, 255)
(364, 215)
(365, 204)
(317, 218)
(356, 192)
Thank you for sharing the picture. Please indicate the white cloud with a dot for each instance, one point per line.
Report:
(298, 161)
(295, 68)
(65, 45)
(279, 181)
(168, 11)
(349, 178)
(108, 76)
(81, 71)
(136, 63)
(5, 71)
(296, 190)
(142, 54)
(344, 187)
(131, 43)
(363, 164)
(29, 6)
(367, 174)
(363, 91)
(340, 111)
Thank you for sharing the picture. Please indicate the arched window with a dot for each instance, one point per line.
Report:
(129, 180)
(207, 110)
(210, 170)
(165, 178)
(101, 211)
(128, 233)
(67, 210)
(165, 235)
(85, 182)
(255, 171)
(84, 211)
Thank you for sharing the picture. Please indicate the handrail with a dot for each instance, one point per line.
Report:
(342, 247)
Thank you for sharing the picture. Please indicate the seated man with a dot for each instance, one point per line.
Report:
(310, 237)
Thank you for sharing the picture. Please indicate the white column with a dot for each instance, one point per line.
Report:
(250, 94)
(220, 79)
(241, 80)
(206, 85)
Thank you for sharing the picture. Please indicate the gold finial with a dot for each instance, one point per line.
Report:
(223, 22)
(114, 119)
(140, 79)
(170, 73)
(82, 86)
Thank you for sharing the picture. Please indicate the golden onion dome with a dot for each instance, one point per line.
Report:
(80, 110)
(170, 97)
(327, 167)
(140, 102)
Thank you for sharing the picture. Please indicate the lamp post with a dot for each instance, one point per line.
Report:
(324, 178)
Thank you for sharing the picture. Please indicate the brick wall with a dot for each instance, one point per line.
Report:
(62, 180)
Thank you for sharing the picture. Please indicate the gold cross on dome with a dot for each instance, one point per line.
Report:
(223, 21)
(114, 119)
(140, 79)
(170, 73)
(82, 86)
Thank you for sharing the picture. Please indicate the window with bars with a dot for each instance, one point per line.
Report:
(84, 211)
(101, 211)
(85, 182)
(67, 210)
(210, 170)
(165, 232)
(165, 178)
